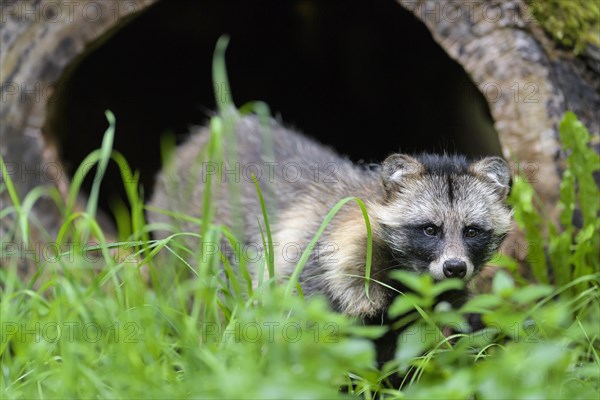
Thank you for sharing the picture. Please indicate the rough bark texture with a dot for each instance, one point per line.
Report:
(39, 40)
(501, 47)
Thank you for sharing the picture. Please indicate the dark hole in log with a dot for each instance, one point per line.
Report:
(365, 77)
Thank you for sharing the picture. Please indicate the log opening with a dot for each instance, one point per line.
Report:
(367, 69)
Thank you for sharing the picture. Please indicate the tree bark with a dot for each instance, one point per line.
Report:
(39, 41)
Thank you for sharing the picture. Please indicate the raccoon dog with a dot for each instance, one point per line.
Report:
(431, 214)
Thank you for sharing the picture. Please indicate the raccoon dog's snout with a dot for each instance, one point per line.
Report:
(455, 268)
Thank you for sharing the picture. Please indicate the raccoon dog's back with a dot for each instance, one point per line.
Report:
(294, 170)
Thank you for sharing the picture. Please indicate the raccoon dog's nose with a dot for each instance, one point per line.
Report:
(455, 268)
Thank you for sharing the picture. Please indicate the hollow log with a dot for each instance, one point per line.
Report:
(525, 80)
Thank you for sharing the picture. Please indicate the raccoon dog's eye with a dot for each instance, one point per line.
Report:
(431, 230)
(471, 232)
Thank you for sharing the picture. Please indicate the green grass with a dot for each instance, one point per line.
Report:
(127, 320)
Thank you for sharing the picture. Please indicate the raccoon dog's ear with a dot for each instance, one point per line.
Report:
(496, 170)
(398, 166)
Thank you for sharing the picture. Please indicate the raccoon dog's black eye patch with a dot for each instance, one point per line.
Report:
(418, 248)
(478, 247)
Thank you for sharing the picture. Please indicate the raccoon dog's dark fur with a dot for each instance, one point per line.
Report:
(434, 214)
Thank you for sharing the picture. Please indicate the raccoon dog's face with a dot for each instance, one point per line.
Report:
(442, 215)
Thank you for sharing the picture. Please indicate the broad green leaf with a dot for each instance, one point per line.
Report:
(502, 284)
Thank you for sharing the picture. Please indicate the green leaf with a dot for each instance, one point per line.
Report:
(105, 152)
(482, 303)
(220, 79)
(446, 285)
(508, 321)
(369, 332)
(405, 303)
(531, 293)
(583, 162)
(416, 283)
(530, 222)
(503, 284)
(504, 261)
(413, 342)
